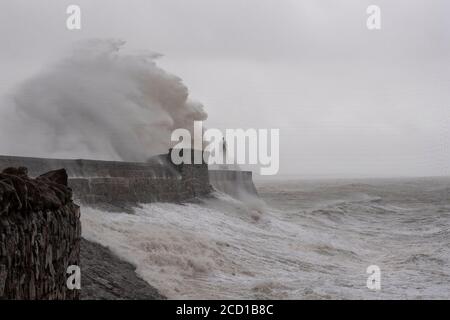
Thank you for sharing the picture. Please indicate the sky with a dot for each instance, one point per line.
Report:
(349, 102)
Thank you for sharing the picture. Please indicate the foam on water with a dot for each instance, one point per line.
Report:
(313, 242)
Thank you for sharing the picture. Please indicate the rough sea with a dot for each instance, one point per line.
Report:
(299, 240)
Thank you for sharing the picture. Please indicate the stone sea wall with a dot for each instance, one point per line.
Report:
(40, 231)
(40, 234)
(122, 184)
(238, 184)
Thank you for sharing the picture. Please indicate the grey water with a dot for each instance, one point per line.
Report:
(300, 240)
(400, 225)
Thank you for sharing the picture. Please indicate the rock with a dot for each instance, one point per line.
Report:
(3, 275)
(40, 233)
(57, 176)
(21, 171)
(105, 276)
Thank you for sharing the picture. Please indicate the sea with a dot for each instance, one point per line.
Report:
(299, 239)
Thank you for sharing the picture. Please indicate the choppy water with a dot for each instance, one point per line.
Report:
(306, 240)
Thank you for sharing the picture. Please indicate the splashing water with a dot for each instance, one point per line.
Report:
(314, 241)
(98, 103)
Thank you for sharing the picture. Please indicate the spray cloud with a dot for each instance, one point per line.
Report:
(99, 103)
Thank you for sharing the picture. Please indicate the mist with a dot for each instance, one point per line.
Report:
(98, 103)
(349, 102)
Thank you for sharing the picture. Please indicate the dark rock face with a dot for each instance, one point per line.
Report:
(40, 233)
(56, 176)
(106, 277)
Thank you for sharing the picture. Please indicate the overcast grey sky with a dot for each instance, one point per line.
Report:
(348, 101)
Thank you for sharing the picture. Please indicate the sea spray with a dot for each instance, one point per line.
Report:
(98, 103)
(312, 240)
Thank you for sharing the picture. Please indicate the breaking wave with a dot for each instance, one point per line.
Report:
(98, 103)
(314, 246)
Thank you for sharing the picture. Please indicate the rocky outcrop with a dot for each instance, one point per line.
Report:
(40, 234)
(106, 277)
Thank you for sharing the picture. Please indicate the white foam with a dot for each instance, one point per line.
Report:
(193, 251)
(225, 248)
